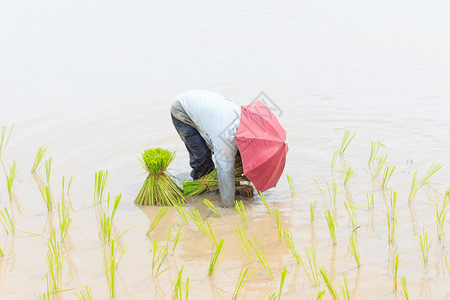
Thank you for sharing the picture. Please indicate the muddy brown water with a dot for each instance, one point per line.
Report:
(93, 82)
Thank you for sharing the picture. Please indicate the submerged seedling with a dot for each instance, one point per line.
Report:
(425, 245)
(10, 177)
(243, 242)
(331, 225)
(106, 220)
(259, 251)
(370, 200)
(47, 197)
(244, 276)
(354, 248)
(312, 209)
(211, 207)
(54, 263)
(395, 263)
(64, 218)
(7, 221)
(346, 139)
(156, 220)
(241, 211)
(215, 259)
(111, 258)
(101, 180)
(291, 185)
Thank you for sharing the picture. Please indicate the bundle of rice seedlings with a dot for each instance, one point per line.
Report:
(158, 188)
(210, 182)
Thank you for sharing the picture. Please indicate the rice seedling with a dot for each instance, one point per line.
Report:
(212, 234)
(331, 225)
(244, 276)
(177, 291)
(85, 294)
(312, 209)
(54, 263)
(333, 161)
(64, 218)
(47, 197)
(441, 216)
(332, 191)
(65, 190)
(282, 279)
(313, 272)
(351, 214)
(111, 258)
(395, 263)
(215, 259)
(7, 221)
(346, 139)
(381, 163)
(211, 207)
(156, 220)
(425, 245)
(158, 258)
(415, 186)
(392, 223)
(279, 225)
(183, 213)
(388, 171)
(264, 201)
(101, 180)
(370, 200)
(48, 169)
(243, 242)
(177, 238)
(258, 249)
(344, 289)
(430, 172)
(348, 174)
(374, 149)
(320, 294)
(404, 287)
(1, 251)
(289, 242)
(241, 211)
(354, 248)
(291, 185)
(198, 221)
(325, 275)
(10, 177)
(5, 138)
(106, 220)
(38, 158)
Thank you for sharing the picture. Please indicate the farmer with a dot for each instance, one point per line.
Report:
(207, 123)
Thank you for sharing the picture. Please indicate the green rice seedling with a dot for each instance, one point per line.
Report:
(441, 216)
(156, 220)
(325, 275)
(348, 175)
(10, 177)
(244, 243)
(425, 245)
(319, 189)
(85, 294)
(212, 234)
(351, 214)
(331, 225)
(47, 196)
(415, 186)
(264, 201)
(54, 263)
(158, 258)
(101, 180)
(333, 161)
(381, 163)
(177, 292)
(111, 258)
(344, 289)
(241, 211)
(282, 279)
(430, 172)
(354, 248)
(48, 169)
(38, 158)
(346, 139)
(177, 238)
(1, 251)
(279, 225)
(370, 200)
(261, 256)
(393, 202)
(395, 263)
(198, 221)
(215, 259)
(5, 138)
(388, 171)
(64, 218)
(183, 213)
(313, 273)
(244, 276)
(106, 220)
(320, 295)
(404, 287)
(289, 242)
(374, 149)
(211, 207)
(392, 224)
(312, 209)
(65, 190)
(8, 222)
(291, 185)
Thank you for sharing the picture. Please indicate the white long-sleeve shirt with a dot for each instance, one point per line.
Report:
(216, 118)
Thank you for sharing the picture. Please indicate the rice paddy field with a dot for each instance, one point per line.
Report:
(359, 213)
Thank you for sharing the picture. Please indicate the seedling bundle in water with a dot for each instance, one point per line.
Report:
(158, 188)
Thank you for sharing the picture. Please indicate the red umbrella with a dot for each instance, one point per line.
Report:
(262, 143)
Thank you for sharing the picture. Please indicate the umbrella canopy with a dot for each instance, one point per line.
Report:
(262, 143)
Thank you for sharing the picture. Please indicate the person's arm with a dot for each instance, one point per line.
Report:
(224, 158)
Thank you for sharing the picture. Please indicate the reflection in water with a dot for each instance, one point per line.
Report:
(425, 292)
(412, 213)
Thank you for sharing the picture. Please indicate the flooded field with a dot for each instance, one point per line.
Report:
(92, 82)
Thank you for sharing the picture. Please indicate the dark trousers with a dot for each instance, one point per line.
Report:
(200, 157)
